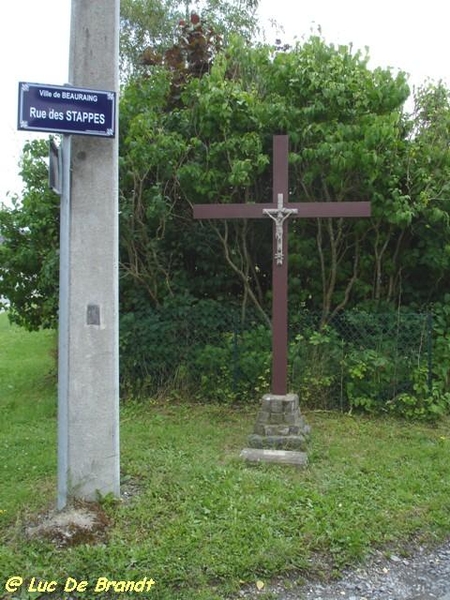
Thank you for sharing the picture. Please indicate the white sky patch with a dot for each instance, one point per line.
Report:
(407, 36)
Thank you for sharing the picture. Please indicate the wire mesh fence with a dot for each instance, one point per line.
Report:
(361, 359)
(213, 353)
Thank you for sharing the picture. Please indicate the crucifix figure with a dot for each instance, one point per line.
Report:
(280, 210)
(279, 216)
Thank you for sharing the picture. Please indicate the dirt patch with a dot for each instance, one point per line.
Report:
(85, 523)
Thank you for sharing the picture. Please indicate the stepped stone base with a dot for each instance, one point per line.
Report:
(286, 457)
(279, 427)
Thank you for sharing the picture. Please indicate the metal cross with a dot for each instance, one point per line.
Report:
(280, 213)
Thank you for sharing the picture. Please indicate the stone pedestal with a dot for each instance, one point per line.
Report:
(280, 429)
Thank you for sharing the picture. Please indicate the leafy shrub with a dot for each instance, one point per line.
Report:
(238, 369)
(378, 364)
(441, 344)
(194, 346)
(374, 363)
(370, 379)
(316, 357)
(157, 346)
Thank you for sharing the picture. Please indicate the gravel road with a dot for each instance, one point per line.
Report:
(425, 575)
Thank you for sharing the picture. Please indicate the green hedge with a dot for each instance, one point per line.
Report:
(367, 362)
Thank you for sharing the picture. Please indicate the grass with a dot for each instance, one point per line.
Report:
(198, 520)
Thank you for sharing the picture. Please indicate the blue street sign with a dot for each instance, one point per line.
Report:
(64, 109)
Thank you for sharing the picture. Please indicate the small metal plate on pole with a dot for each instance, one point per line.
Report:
(54, 168)
(66, 109)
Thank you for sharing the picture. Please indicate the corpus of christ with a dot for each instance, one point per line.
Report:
(280, 433)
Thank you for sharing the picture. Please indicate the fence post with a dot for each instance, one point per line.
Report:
(430, 351)
(235, 357)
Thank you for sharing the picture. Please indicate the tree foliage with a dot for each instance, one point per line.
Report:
(350, 140)
(198, 111)
(29, 253)
(196, 125)
(149, 28)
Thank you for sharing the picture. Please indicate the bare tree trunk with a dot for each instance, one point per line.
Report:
(241, 270)
(351, 281)
(329, 279)
(395, 278)
(379, 254)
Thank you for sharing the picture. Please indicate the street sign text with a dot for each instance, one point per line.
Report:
(62, 109)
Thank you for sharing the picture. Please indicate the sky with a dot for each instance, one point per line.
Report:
(407, 36)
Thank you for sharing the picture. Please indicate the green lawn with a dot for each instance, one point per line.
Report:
(197, 519)
(28, 418)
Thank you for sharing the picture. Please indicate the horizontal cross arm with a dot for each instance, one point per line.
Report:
(305, 210)
(230, 211)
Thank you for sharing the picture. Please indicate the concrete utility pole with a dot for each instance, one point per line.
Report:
(88, 391)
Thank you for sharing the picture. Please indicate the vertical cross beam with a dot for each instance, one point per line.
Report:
(280, 273)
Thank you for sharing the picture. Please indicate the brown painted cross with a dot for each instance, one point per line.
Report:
(279, 212)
